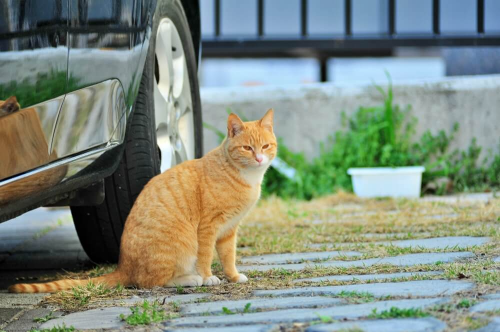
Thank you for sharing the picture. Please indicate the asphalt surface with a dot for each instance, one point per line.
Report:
(40, 243)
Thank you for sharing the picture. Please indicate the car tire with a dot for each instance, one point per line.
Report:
(100, 227)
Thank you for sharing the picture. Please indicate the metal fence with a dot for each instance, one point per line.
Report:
(347, 43)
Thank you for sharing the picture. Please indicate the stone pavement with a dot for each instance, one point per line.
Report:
(38, 245)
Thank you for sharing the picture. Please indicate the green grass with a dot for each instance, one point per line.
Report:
(45, 318)
(245, 310)
(147, 313)
(180, 290)
(465, 303)
(476, 271)
(83, 294)
(395, 312)
(358, 297)
(325, 319)
(227, 311)
(62, 328)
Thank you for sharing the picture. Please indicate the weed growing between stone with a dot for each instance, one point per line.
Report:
(357, 297)
(395, 312)
(147, 313)
(45, 318)
(80, 297)
(62, 328)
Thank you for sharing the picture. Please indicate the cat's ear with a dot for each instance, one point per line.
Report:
(267, 120)
(10, 105)
(234, 125)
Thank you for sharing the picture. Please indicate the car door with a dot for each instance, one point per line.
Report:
(106, 39)
(33, 78)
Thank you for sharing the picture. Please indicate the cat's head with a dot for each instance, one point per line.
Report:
(9, 106)
(251, 144)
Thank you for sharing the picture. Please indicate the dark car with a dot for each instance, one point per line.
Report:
(97, 97)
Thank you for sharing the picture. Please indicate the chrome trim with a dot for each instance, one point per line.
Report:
(88, 118)
(58, 163)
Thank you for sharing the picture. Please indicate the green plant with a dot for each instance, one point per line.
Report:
(324, 319)
(58, 328)
(395, 312)
(227, 311)
(381, 136)
(247, 308)
(147, 313)
(465, 303)
(44, 318)
(357, 296)
(180, 290)
(83, 294)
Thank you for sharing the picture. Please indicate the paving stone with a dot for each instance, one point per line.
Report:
(380, 276)
(6, 314)
(406, 288)
(402, 260)
(490, 305)
(46, 261)
(428, 324)
(9, 300)
(245, 328)
(296, 257)
(303, 315)
(106, 318)
(496, 259)
(63, 238)
(26, 321)
(441, 242)
(262, 303)
(491, 296)
(461, 198)
(174, 298)
(493, 326)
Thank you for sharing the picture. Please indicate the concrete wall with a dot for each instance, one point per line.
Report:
(306, 115)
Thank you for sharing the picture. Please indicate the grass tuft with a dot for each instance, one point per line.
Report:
(58, 328)
(147, 313)
(396, 312)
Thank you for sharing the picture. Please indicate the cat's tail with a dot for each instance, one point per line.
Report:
(110, 280)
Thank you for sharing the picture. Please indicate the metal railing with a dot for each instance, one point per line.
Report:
(344, 44)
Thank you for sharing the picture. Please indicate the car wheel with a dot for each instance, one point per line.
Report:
(165, 130)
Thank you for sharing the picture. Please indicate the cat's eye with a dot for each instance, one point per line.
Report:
(265, 146)
(248, 148)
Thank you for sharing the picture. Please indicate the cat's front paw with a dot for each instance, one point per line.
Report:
(211, 281)
(241, 278)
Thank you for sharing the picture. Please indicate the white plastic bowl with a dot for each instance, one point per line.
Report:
(387, 181)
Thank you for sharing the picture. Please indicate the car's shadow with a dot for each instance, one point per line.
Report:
(39, 244)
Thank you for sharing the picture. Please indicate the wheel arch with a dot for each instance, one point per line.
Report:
(192, 11)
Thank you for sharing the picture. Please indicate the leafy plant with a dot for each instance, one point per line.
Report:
(357, 296)
(227, 311)
(247, 308)
(58, 328)
(324, 319)
(45, 318)
(381, 136)
(396, 312)
(147, 313)
(465, 303)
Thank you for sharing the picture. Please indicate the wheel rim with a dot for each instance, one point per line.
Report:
(172, 98)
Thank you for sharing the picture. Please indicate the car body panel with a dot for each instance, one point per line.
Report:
(33, 68)
(75, 67)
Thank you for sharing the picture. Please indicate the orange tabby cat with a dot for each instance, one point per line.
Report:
(182, 214)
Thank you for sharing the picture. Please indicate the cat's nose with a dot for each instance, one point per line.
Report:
(259, 158)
